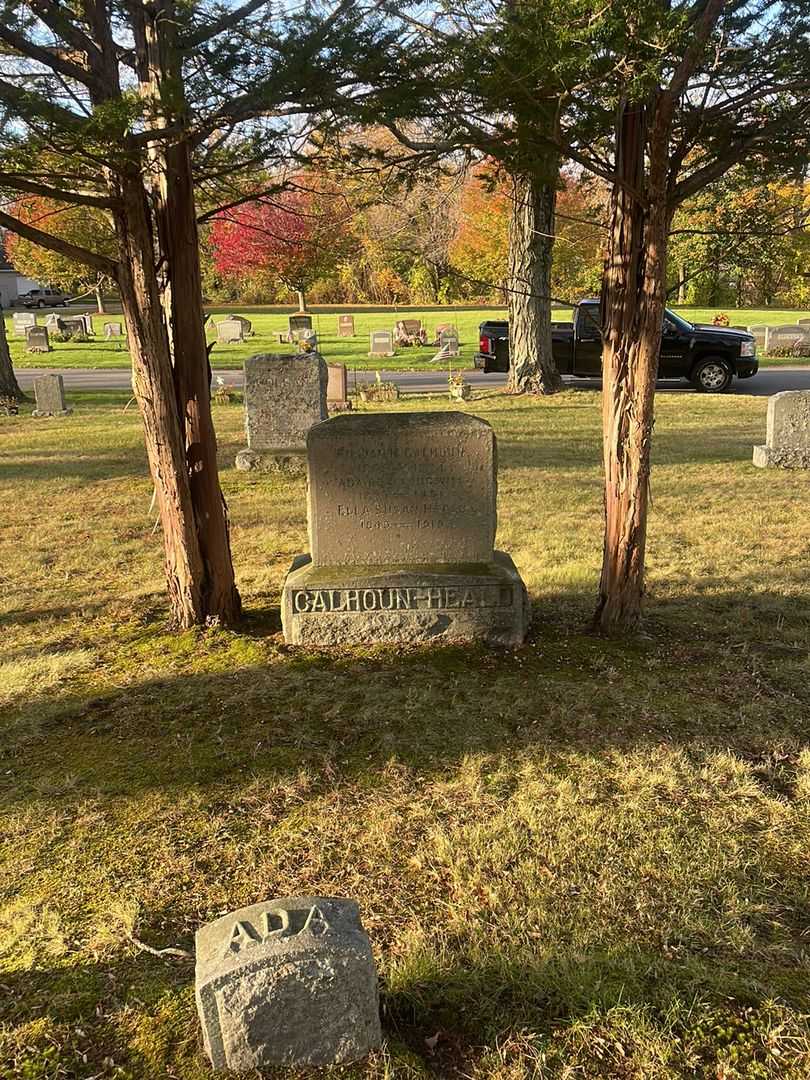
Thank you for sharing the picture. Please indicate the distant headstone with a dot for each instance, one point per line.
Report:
(382, 343)
(87, 322)
(345, 325)
(787, 441)
(247, 325)
(760, 333)
(49, 391)
(230, 331)
(72, 325)
(20, 322)
(787, 336)
(803, 322)
(36, 339)
(113, 330)
(448, 342)
(284, 396)
(53, 322)
(337, 389)
(288, 982)
(401, 526)
(296, 324)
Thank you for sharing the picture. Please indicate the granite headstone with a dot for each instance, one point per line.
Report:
(284, 396)
(402, 518)
(49, 391)
(787, 440)
(288, 982)
(337, 389)
(37, 340)
(345, 325)
(382, 343)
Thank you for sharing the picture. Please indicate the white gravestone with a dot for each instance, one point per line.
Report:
(20, 322)
(787, 440)
(230, 331)
(289, 982)
(381, 343)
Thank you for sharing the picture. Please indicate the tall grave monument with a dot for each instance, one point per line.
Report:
(402, 524)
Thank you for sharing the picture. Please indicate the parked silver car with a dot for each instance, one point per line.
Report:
(40, 298)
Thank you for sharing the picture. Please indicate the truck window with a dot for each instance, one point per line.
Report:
(589, 322)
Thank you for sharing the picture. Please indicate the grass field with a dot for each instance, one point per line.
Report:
(581, 859)
(268, 323)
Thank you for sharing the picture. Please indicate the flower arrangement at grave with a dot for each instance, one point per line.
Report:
(458, 388)
(378, 390)
(721, 319)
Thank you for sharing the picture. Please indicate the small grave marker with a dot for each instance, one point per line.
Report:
(345, 325)
(36, 339)
(296, 324)
(337, 389)
(787, 441)
(230, 331)
(288, 982)
(382, 343)
(49, 391)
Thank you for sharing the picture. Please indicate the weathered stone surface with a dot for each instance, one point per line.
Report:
(37, 340)
(297, 324)
(287, 982)
(49, 391)
(345, 325)
(381, 343)
(284, 396)
(355, 606)
(337, 389)
(229, 331)
(112, 329)
(402, 489)
(402, 521)
(787, 440)
(20, 322)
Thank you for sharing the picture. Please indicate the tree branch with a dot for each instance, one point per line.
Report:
(226, 21)
(77, 198)
(45, 56)
(62, 247)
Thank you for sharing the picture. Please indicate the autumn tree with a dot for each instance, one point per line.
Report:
(125, 108)
(84, 226)
(294, 237)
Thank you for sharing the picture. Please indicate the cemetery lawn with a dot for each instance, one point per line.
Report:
(584, 858)
(268, 323)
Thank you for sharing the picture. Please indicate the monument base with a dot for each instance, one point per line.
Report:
(61, 412)
(366, 606)
(768, 457)
(284, 461)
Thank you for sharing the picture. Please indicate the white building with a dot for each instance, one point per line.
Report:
(12, 283)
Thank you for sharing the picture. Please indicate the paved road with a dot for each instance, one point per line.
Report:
(767, 381)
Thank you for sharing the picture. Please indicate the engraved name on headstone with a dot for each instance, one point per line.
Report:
(36, 339)
(288, 982)
(402, 488)
(787, 440)
(49, 391)
(284, 396)
(345, 325)
(402, 517)
(382, 343)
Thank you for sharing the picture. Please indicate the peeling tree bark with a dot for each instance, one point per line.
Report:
(531, 239)
(633, 302)
(9, 387)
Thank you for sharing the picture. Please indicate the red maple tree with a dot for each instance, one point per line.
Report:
(293, 238)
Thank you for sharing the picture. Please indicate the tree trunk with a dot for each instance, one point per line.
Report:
(302, 300)
(9, 387)
(100, 308)
(531, 238)
(682, 283)
(154, 390)
(180, 246)
(633, 301)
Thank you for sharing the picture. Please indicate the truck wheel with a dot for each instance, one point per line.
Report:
(712, 376)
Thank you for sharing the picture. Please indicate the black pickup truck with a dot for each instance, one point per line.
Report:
(707, 356)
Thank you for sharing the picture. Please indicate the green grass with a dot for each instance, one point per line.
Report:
(582, 858)
(268, 323)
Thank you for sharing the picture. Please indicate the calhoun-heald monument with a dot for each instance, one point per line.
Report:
(402, 525)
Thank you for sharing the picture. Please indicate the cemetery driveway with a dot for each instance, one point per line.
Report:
(768, 380)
